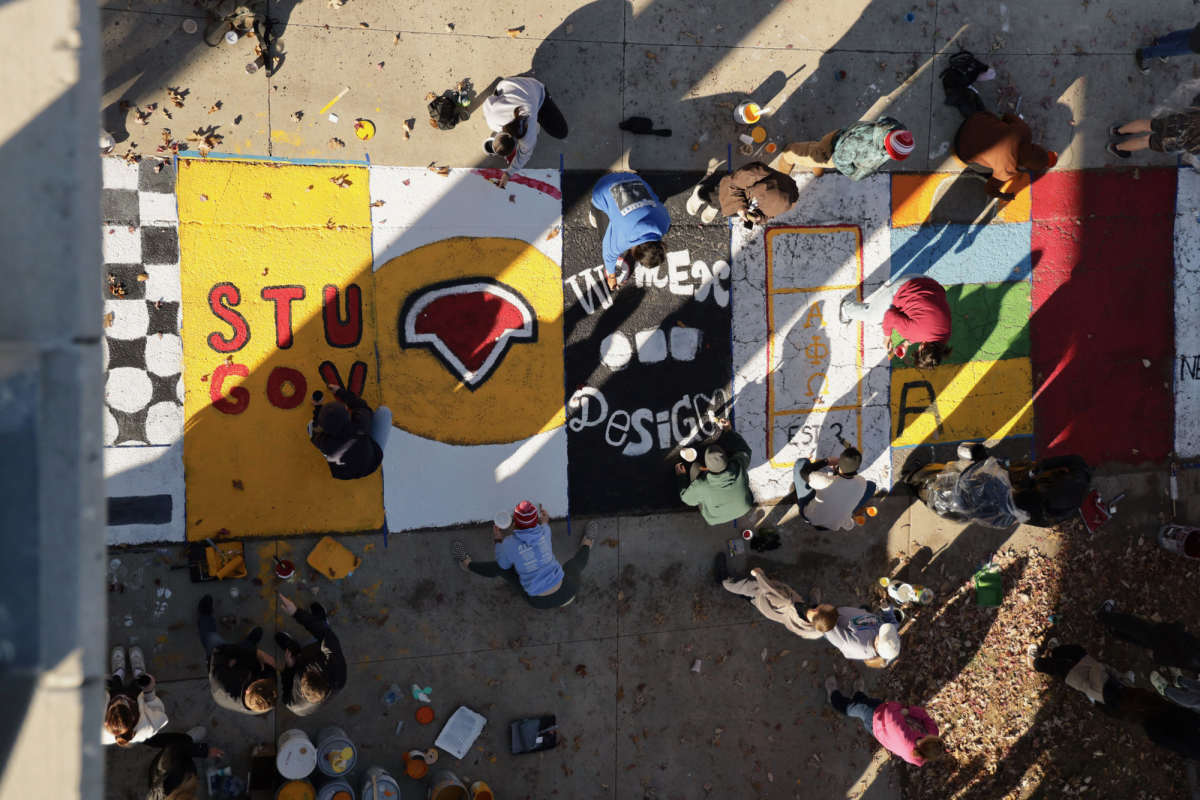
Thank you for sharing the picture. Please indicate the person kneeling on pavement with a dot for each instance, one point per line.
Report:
(721, 488)
(526, 559)
(313, 672)
(754, 193)
(1003, 146)
(631, 222)
(914, 307)
(857, 151)
(873, 639)
(349, 434)
(829, 500)
(905, 731)
(777, 602)
(241, 676)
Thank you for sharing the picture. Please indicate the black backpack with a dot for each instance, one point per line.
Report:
(957, 78)
(444, 112)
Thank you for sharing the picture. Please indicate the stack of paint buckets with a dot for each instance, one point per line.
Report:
(295, 759)
(336, 756)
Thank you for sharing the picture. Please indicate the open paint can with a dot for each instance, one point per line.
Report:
(296, 790)
(336, 754)
(378, 778)
(447, 786)
(336, 790)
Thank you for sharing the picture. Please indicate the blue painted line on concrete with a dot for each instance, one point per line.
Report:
(310, 162)
(961, 253)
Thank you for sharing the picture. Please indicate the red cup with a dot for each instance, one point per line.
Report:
(747, 534)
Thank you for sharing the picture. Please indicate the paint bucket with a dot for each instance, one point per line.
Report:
(481, 791)
(295, 755)
(336, 790)
(747, 113)
(747, 534)
(503, 520)
(759, 134)
(285, 570)
(415, 765)
(1179, 539)
(388, 788)
(688, 454)
(296, 790)
(336, 754)
(447, 786)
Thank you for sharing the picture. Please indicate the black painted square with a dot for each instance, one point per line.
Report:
(120, 282)
(130, 427)
(127, 353)
(161, 182)
(164, 317)
(149, 509)
(160, 245)
(119, 206)
(650, 407)
(164, 388)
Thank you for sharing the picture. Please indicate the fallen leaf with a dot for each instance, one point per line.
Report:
(651, 55)
(695, 146)
(124, 105)
(341, 181)
(377, 204)
(237, 484)
(430, 97)
(108, 319)
(266, 195)
(512, 198)
(336, 144)
(396, 41)
(363, 25)
(297, 116)
(143, 277)
(515, 32)
(215, 107)
(407, 124)
(581, 670)
(551, 235)
(175, 96)
(354, 709)
(379, 65)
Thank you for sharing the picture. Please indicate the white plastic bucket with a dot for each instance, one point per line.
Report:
(388, 788)
(332, 743)
(296, 757)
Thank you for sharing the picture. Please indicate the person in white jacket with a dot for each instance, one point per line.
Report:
(132, 711)
(829, 500)
(777, 602)
(515, 112)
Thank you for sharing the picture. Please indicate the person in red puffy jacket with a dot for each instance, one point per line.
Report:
(914, 307)
(906, 731)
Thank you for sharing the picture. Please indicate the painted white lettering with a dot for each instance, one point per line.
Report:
(641, 419)
(622, 426)
(646, 278)
(677, 272)
(663, 418)
(582, 401)
(693, 432)
(702, 273)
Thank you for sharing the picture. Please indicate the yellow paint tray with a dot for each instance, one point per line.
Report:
(333, 560)
(231, 563)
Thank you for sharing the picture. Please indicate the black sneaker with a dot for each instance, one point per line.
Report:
(1112, 149)
(720, 568)
(1107, 606)
(255, 635)
(318, 611)
(1115, 130)
(206, 606)
(285, 641)
(1143, 65)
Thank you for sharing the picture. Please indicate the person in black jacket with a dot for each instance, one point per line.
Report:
(316, 671)
(173, 774)
(349, 434)
(242, 677)
(1169, 642)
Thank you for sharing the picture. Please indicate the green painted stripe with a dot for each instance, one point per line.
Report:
(990, 322)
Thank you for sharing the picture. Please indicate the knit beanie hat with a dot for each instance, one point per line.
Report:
(525, 515)
(714, 459)
(334, 418)
(899, 144)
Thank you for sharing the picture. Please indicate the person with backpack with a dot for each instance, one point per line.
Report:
(755, 193)
(1176, 43)
(856, 151)
(526, 559)
(349, 434)
(1003, 146)
(516, 111)
(632, 223)
(917, 309)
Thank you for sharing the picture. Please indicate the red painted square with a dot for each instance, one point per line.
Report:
(1103, 283)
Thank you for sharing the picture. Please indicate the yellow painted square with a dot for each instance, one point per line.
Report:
(256, 473)
(976, 400)
(914, 194)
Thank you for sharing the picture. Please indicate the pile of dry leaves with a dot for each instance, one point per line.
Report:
(1012, 732)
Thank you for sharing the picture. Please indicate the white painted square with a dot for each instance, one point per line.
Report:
(157, 207)
(428, 484)
(163, 283)
(121, 245)
(130, 319)
(117, 173)
(139, 471)
(1187, 314)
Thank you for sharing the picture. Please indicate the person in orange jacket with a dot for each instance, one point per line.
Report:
(1002, 145)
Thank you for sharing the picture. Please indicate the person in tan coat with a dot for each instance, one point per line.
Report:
(1003, 145)
(777, 602)
(754, 193)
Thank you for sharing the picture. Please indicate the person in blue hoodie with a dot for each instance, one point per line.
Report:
(632, 223)
(526, 559)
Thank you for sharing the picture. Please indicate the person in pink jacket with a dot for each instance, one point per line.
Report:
(906, 731)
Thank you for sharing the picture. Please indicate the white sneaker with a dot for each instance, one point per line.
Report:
(708, 215)
(116, 661)
(694, 202)
(831, 686)
(964, 450)
(137, 660)
(592, 219)
(197, 733)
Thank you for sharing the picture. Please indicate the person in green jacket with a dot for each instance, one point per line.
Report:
(856, 151)
(721, 488)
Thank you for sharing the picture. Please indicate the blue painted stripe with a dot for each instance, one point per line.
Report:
(311, 162)
(960, 253)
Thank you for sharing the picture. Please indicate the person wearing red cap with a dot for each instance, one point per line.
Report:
(857, 151)
(914, 307)
(1002, 145)
(526, 559)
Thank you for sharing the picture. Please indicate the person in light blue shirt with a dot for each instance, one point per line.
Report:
(526, 559)
(632, 222)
